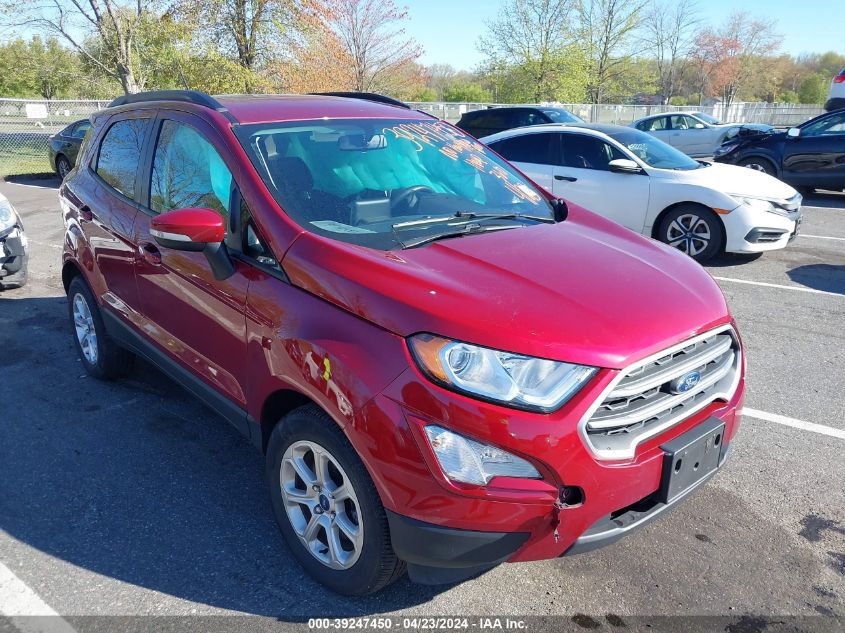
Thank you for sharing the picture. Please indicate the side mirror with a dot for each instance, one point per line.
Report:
(560, 209)
(698, 126)
(196, 230)
(793, 132)
(624, 166)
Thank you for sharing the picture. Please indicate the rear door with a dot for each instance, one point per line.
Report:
(817, 157)
(585, 179)
(106, 198)
(190, 315)
(533, 154)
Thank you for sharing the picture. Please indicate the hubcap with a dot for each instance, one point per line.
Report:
(64, 168)
(689, 233)
(321, 505)
(756, 167)
(83, 322)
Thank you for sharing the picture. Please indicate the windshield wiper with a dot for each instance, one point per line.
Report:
(469, 215)
(468, 229)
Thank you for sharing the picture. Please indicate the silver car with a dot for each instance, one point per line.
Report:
(694, 133)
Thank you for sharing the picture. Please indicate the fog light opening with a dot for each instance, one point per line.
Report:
(571, 495)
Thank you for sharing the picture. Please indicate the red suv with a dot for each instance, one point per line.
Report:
(445, 368)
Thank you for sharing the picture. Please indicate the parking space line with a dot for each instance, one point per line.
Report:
(28, 612)
(797, 424)
(780, 286)
(822, 237)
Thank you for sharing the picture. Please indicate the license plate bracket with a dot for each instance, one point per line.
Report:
(691, 457)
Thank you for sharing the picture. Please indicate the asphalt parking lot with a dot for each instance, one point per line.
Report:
(130, 498)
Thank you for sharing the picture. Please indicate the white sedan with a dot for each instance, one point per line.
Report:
(694, 133)
(646, 185)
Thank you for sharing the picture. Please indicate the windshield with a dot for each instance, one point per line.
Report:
(707, 118)
(376, 182)
(652, 151)
(559, 115)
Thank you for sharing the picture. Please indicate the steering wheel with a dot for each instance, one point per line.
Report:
(407, 192)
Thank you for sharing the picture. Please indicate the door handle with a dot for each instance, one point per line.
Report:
(150, 253)
(85, 213)
(566, 178)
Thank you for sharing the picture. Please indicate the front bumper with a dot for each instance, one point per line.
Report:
(447, 532)
(754, 231)
(13, 257)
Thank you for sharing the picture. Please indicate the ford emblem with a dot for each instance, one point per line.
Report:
(684, 383)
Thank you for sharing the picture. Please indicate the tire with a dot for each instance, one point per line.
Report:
(63, 166)
(361, 566)
(694, 230)
(102, 357)
(758, 163)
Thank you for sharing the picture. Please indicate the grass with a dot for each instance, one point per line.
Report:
(23, 154)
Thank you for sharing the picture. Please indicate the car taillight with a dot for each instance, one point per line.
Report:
(839, 79)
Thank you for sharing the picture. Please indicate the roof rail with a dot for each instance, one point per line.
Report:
(186, 96)
(366, 96)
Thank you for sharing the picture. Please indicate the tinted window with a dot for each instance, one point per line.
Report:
(587, 152)
(834, 124)
(188, 172)
(528, 148)
(78, 130)
(520, 118)
(120, 152)
(654, 125)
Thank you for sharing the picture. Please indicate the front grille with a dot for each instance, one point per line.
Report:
(643, 402)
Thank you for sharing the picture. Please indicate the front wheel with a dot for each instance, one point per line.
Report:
(327, 507)
(759, 164)
(694, 230)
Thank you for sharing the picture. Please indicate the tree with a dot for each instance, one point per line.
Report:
(375, 45)
(104, 32)
(533, 42)
(729, 58)
(467, 92)
(668, 29)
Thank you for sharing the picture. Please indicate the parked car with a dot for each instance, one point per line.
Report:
(13, 247)
(493, 120)
(649, 187)
(809, 156)
(445, 366)
(696, 134)
(836, 96)
(64, 146)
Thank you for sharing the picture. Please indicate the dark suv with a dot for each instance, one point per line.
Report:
(445, 367)
(481, 123)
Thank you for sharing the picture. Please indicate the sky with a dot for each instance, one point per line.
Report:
(449, 29)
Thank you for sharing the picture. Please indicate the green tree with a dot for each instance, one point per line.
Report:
(814, 88)
(464, 91)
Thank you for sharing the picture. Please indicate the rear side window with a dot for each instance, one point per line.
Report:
(521, 118)
(528, 148)
(587, 152)
(653, 125)
(79, 129)
(188, 172)
(120, 152)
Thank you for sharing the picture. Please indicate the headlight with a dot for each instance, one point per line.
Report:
(8, 218)
(523, 382)
(760, 204)
(471, 462)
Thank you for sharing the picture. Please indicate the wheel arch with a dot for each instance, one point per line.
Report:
(70, 270)
(276, 406)
(761, 155)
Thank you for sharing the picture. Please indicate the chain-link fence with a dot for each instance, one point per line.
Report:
(27, 124)
(777, 114)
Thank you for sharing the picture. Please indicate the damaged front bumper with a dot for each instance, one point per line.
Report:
(13, 257)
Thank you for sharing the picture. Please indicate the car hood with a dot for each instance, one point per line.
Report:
(737, 180)
(585, 291)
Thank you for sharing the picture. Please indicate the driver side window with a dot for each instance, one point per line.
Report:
(834, 124)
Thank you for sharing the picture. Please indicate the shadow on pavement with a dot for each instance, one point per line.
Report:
(44, 181)
(827, 277)
(136, 480)
(732, 259)
(824, 199)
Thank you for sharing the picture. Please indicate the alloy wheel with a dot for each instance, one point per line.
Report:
(321, 504)
(86, 333)
(689, 233)
(64, 169)
(756, 167)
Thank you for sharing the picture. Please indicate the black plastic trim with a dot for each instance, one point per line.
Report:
(437, 554)
(366, 96)
(610, 529)
(127, 337)
(837, 103)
